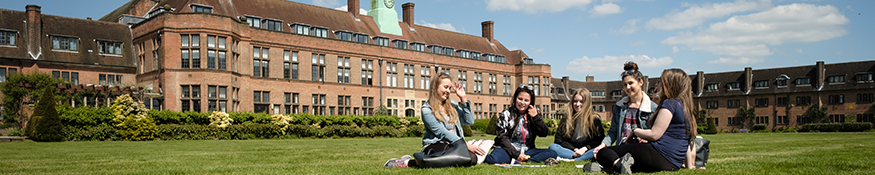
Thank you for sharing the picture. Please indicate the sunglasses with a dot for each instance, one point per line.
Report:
(529, 87)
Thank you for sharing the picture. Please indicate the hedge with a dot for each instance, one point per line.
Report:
(242, 132)
(837, 127)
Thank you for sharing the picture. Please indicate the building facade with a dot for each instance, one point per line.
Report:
(285, 57)
(780, 96)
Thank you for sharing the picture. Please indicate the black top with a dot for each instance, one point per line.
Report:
(591, 141)
(507, 131)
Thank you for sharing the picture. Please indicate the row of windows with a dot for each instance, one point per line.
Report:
(5, 71)
(800, 101)
(69, 44)
(782, 82)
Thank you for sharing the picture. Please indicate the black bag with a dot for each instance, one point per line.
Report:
(455, 155)
(702, 150)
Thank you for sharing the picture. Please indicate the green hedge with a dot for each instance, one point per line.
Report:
(837, 127)
(242, 132)
(481, 125)
(758, 127)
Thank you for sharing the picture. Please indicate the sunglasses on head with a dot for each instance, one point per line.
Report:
(529, 87)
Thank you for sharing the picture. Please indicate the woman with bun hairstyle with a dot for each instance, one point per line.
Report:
(516, 129)
(673, 128)
(633, 111)
(579, 131)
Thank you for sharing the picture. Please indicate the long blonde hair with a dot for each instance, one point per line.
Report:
(586, 114)
(676, 84)
(434, 99)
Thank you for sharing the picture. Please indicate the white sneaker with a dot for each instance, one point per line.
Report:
(564, 159)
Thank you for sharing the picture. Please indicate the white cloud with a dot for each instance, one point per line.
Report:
(674, 49)
(361, 10)
(445, 26)
(605, 9)
(742, 60)
(532, 6)
(587, 65)
(537, 50)
(638, 43)
(799, 51)
(327, 3)
(594, 35)
(697, 14)
(749, 36)
(629, 28)
(849, 7)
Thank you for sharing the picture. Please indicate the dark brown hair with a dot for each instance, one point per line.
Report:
(676, 84)
(631, 69)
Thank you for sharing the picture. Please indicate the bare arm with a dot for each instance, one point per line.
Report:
(690, 162)
(663, 118)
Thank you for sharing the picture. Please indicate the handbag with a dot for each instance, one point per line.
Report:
(455, 155)
(702, 150)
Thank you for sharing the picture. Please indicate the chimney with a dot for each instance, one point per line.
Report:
(590, 78)
(33, 30)
(352, 6)
(408, 13)
(700, 83)
(748, 79)
(487, 29)
(821, 71)
(88, 18)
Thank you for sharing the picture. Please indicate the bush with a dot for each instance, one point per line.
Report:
(837, 127)
(132, 119)
(466, 130)
(481, 125)
(48, 128)
(91, 133)
(493, 122)
(29, 130)
(758, 127)
(84, 116)
(712, 128)
(415, 131)
(13, 131)
(786, 129)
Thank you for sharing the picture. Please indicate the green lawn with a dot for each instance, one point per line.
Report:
(802, 153)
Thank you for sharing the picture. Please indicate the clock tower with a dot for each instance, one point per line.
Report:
(385, 16)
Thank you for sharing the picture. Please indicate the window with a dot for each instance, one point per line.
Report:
(599, 108)
(493, 86)
(762, 84)
(7, 37)
(261, 100)
(711, 104)
(478, 82)
(462, 76)
(614, 93)
(367, 72)
(343, 70)
(260, 63)
(449, 51)
(109, 47)
(290, 65)
(863, 77)
(837, 99)
(803, 100)
(302, 29)
(408, 76)
(344, 35)
(253, 21)
(865, 98)
(318, 69)
(802, 119)
(732, 86)
(837, 118)
(391, 74)
(436, 49)
(274, 25)
(711, 87)
(781, 81)
(368, 105)
(597, 93)
(836, 79)
(190, 54)
(762, 120)
(344, 104)
(425, 77)
(782, 120)
(110, 79)
(217, 98)
(401, 44)
(201, 9)
(762, 102)
(362, 38)
(803, 81)
(464, 53)
(319, 32)
(64, 43)
(782, 101)
(489, 57)
(418, 46)
(506, 84)
(72, 77)
(191, 95)
(318, 104)
(733, 103)
(383, 41)
(865, 118)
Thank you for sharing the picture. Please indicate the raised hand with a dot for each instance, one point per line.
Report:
(460, 91)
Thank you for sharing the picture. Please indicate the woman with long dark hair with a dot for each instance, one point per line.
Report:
(516, 129)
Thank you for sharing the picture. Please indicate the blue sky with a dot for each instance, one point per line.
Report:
(594, 37)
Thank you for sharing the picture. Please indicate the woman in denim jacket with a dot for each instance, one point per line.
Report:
(446, 129)
(633, 111)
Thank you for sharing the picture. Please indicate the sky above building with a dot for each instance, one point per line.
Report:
(595, 37)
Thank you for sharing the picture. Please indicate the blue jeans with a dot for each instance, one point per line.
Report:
(499, 156)
(569, 154)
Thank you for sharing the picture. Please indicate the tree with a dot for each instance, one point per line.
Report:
(747, 115)
(20, 90)
(700, 114)
(48, 128)
(382, 110)
(490, 129)
(818, 114)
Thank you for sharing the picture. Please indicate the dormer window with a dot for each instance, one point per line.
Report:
(864, 77)
(475, 55)
(156, 12)
(417, 47)
(64, 43)
(319, 32)
(449, 51)
(464, 53)
(436, 49)
(803, 81)
(489, 57)
(383, 41)
(781, 81)
(299, 28)
(836, 79)
(617, 93)
(500, 59)
(711, 87)
(401, 44)
(762, 84)
(253, 21)
(343, 35)
(7, 37)
(197, 8)
(362, 38)
(110, 47)
(274, 25)
(733, 86)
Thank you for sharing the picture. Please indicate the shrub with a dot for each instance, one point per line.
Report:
(481, 125)
(48, 128)
(837, 127)
(29, 130)
(493, 122)
(90, 133)
(712, 128)
(415, 131)
(758, 127)
(13, 131)
(132, 119)
(84, 116)
(220, 119)
(786, 129)
(466, 130)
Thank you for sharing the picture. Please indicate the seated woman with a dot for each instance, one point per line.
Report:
(674, 127)
(516, 129)
(446, 129)
(579, 131)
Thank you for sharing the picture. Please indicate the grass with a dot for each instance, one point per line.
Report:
(766, 153)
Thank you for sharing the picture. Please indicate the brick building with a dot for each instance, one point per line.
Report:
(89, 54)
(279, 56)
(781, 96)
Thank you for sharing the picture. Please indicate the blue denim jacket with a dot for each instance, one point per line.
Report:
(646, 109)
(436, 130)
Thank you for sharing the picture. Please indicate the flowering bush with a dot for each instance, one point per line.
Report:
(132, 119)
(281, 120)
(220, 119)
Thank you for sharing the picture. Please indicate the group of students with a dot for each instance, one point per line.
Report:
(644, 136)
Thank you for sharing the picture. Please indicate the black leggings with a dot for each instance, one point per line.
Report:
(647, 159)
(438, 147)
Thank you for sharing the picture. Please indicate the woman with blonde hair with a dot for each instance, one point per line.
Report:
(673, 128)
(579, 131)
(443, 119)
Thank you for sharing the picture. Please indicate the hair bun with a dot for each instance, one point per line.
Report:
(630, 66)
